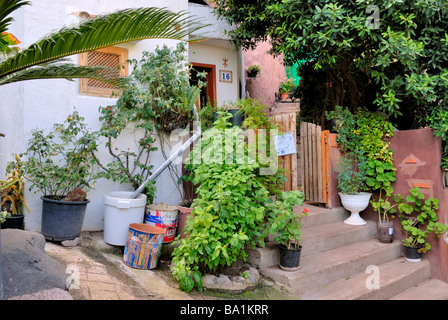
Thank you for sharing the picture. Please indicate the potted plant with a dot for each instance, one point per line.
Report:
(419, 220)
(186, 205)
(285, 88)
(354, 168)
(59, 165)
(351, 183)
(386, 210)
(253, 71)
(286, 225)
(11, 199)
(234, 108)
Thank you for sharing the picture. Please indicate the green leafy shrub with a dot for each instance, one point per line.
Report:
(229, 208)
(364, 139)
(160, 84)
(287, 85)
(232, 207)
(351, 176)
(419, 219)
(285, 225)
(60, 161)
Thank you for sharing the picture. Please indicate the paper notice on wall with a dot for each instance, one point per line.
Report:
(284, 144)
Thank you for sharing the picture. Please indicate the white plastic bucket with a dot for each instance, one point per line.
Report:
(119, 212)
(163, 216)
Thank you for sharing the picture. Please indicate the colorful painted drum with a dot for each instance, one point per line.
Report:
(143, 246)
(163, 216)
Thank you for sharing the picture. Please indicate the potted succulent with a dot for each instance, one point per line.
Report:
(253, 71)
(59, 165)
(285, 88)
(11, 199)
(419, 220)
(286, 226)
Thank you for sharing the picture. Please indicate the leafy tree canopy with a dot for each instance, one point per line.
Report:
(389, 55)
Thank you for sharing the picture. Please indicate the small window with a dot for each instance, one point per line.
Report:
(111, 57)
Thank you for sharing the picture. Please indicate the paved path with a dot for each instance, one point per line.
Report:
(95, 271)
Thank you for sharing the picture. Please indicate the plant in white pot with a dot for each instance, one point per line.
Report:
(351, 184)
(60, 166)
(285, 226)
(353, 165)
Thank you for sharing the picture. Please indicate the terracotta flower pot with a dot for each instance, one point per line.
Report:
(284, 96)
(184, 213)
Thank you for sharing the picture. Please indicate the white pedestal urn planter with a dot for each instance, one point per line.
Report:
(355, 203)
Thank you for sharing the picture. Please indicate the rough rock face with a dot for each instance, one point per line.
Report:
(26, 268)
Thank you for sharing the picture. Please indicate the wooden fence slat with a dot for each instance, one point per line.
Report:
(287, 123)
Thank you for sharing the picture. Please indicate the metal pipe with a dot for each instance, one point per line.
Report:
(165, 165)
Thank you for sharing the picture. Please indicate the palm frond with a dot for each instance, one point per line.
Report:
(104, 31)
(6, 8)
(67, 71)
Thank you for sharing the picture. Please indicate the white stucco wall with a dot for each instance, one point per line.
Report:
(214, 54)
(41, 103)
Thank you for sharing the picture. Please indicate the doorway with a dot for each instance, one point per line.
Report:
(208, 93)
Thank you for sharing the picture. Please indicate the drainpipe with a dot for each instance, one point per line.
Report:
(176, 154)
(243, 75)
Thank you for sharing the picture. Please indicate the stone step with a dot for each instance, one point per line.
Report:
(323, 229)
(392, 278)
(325, 267)
(315, 239)
(327, 236)
(320, 215)
(430, 289)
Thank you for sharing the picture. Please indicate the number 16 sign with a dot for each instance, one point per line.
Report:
(225, 76)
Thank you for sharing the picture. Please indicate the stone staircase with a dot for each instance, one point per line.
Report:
(335, 260)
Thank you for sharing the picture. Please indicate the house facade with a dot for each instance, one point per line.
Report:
(39, 104)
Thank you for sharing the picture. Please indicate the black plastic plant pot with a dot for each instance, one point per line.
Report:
(252, 75)
(15, 221)
(237, 117)
(411, 254)
(289, 258)
(62, 220)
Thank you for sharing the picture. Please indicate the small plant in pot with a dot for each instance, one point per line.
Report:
(351, 183)
(60, 166)
(286, 226)
(186, 205)
(419, 220)
(253, 71)
(286, 86)
(11, 199)
(235, 109)
(386, 211)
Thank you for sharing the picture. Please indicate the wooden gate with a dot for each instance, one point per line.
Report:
(315, 162)
(287, 123)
